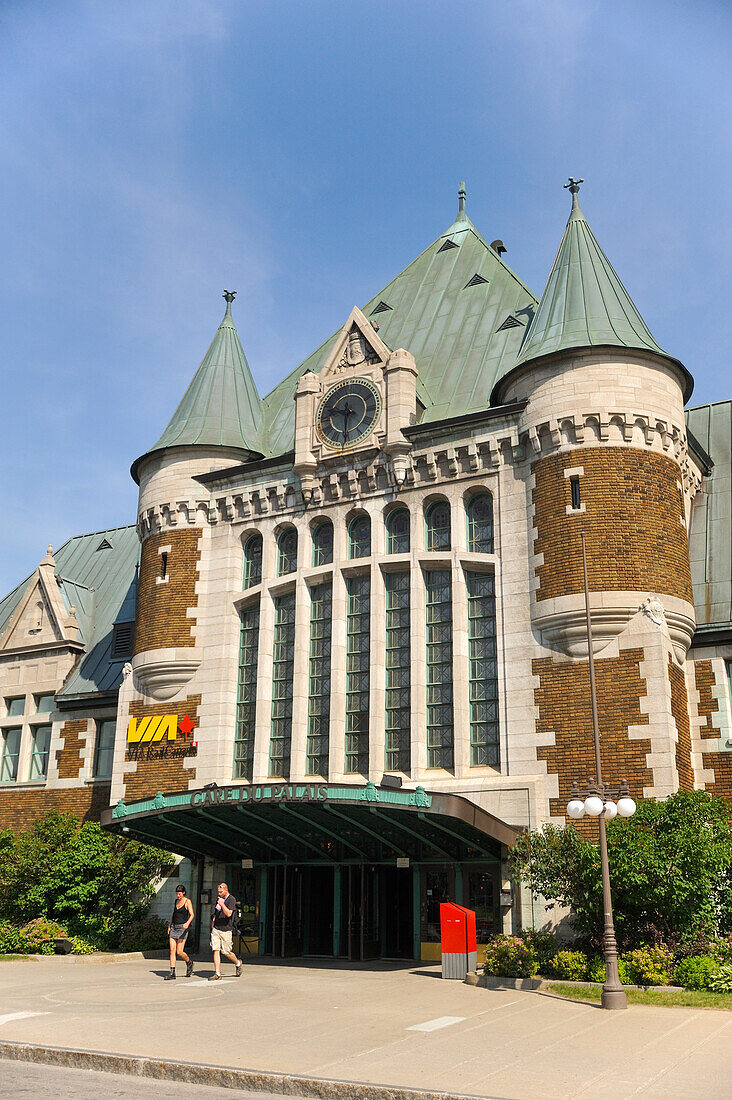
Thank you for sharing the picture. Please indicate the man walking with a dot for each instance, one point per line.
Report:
(222, 927)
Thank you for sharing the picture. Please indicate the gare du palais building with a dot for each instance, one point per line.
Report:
(340, 659)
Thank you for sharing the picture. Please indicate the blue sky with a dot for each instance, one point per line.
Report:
(303, 153)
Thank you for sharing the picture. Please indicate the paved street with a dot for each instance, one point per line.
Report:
(380, 1023)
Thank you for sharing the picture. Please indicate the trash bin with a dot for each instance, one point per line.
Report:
(458, 940)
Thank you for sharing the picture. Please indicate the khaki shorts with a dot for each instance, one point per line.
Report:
(221, 941)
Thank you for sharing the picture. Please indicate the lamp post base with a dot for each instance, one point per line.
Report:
(614, 998)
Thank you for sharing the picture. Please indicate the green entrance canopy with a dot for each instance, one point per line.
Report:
(314, 822)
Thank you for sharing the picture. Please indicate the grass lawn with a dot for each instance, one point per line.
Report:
(13, 958)
(686, 998)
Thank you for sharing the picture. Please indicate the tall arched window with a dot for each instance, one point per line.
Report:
(287, 552)
(359, 537)
(437, 521)
(323, 543)
(397, 531)
(252, 561)
(479, 511)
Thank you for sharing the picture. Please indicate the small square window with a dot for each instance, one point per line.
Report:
(9, 755)
(44, 704)
(39, 755)
(104, 748)
(16, 707)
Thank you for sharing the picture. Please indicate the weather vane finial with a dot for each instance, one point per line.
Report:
(462, 193)
(229, 295)
(573, 185)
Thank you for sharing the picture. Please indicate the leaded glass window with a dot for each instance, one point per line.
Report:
(282, 672)
(480, 523)
(359, 537)
(10, 755)
(287, 552)
(484, 737)
(397, 531)
(438, 525)
(323, 543)
(439, 669)
(398, 690)
(104, 748)
(39, 752)
(252, 561)
(246, 703)
(358, 645)
(321, 607)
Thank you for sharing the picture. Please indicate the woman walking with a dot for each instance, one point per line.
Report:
(180, 922)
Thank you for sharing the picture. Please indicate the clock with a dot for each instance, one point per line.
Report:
(348, 413)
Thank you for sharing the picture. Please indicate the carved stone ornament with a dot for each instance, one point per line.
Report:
(126, 670)
(357, 351)
(654, 610)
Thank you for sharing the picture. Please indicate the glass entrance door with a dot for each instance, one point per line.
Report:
(284, 931)
(360, 937)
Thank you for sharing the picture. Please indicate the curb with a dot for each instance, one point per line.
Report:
(493, 981)
(248, 1080)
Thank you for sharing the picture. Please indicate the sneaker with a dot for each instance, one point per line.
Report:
(237, 972)
(215, 978)
(189, 968)
(170, 976)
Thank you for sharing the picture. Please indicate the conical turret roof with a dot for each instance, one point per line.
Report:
(221, 406)
(584, 303)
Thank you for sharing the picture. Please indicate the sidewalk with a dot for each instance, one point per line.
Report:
(379, 1023)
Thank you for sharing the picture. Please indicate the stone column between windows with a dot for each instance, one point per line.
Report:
(337, 726)
(460, 670)
(300, 677)
(263, 720)
(418, 661)
(377, 671)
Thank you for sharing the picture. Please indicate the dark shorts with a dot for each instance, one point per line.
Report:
(179, 934)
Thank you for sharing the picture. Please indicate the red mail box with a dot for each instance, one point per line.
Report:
(458, 939)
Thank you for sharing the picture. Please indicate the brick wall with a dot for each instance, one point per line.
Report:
(719, 762)
(161, 621)
(153, 775)
(563, 699)
(68, 757)
(632, 522)
(680, 712)
(20, 809)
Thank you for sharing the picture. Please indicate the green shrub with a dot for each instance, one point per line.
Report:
(649, 965)
(80, 946)
(721, 949)
(544, 944)
(570, 966)
(37, 936)
(511, 957)
(9, 939)
(722, 980)
(149, 934)
(596, 971)
(696, 972)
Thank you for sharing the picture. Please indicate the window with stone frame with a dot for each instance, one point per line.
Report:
(440, 736)
(483, 670)
(253, 561)
(246, 703)
(318, 736)
(104, 748)
(397, 531)
(398, 673)
(437, 526)
(10, 756)
(358, 655)
(283, 664)
(359, 537)
(323, 543)
(287, 552)
(40, 749)
(479, 515)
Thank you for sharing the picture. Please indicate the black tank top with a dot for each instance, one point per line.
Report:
(180, 916)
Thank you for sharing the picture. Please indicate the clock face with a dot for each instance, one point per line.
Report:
(348, 412)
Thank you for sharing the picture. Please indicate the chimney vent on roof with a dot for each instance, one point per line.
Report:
(499, 247)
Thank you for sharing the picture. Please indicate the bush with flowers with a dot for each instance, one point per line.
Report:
(569, 966)
(38, 936)
(649, 965)
(510, 957)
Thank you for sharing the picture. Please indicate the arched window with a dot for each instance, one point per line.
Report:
(438, 525)
(323, 543)
(252, 561)
(397, 531)
(479, 510)
(287, 552)
(359, 537)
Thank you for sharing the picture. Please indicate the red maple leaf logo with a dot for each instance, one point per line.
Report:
(185, 726)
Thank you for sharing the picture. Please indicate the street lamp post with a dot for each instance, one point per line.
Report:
(597, 803)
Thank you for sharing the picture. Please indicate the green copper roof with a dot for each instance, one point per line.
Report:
(464, 332)
(221, 407)
(584, 303)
